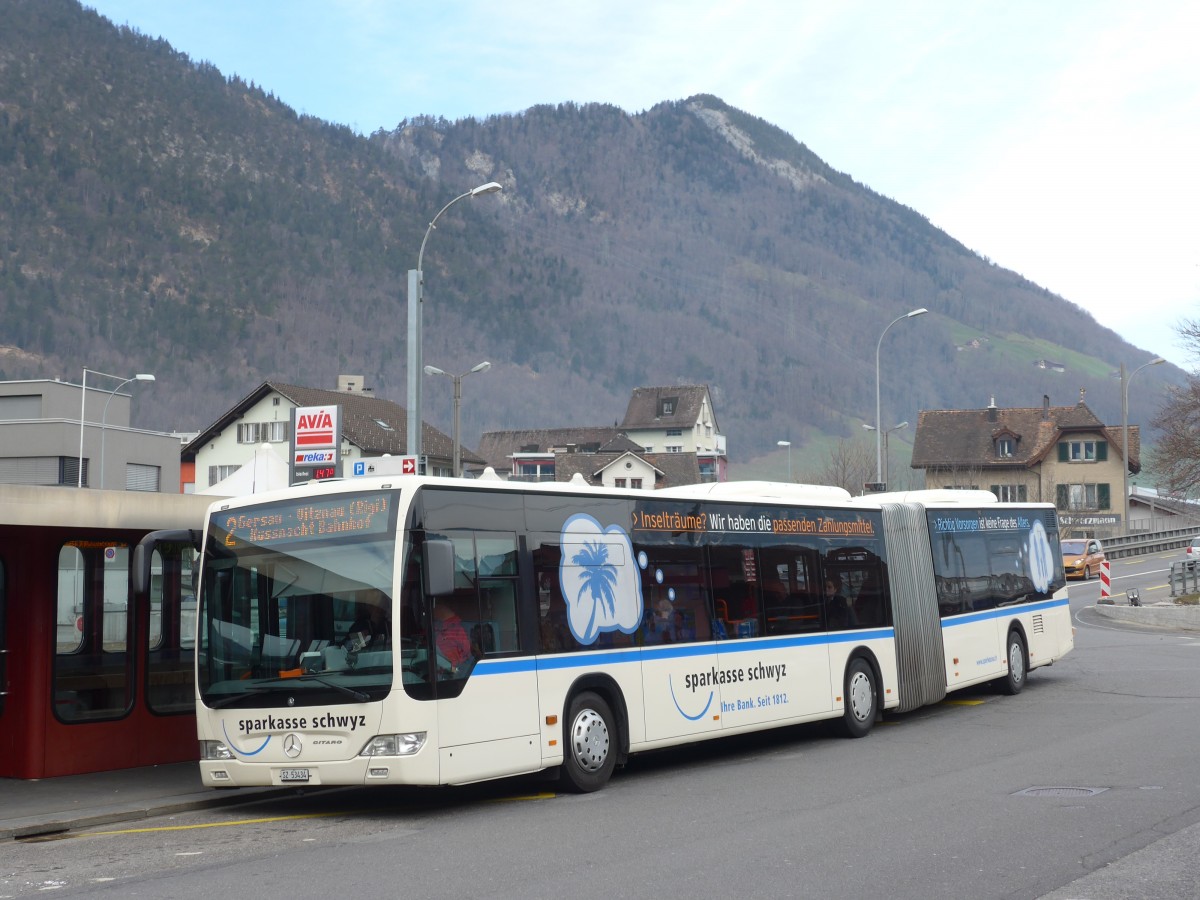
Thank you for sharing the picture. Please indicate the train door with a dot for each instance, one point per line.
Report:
(6, 732)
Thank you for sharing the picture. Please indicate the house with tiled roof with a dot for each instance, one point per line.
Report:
(669, 437)
(371, 427)
(1057, 454)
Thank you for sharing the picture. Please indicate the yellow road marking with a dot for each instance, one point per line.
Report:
(261, 821)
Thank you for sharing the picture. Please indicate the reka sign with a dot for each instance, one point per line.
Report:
(316, 427)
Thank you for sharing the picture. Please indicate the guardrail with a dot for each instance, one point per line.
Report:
(1134, 544)
(1184, 579)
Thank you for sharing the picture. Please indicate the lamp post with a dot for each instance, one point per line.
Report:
(878, 417)
(83, 411)
(416, 290)
(434, 370)
(787, 444)
(1125, 438)
(887, 432)
(104, 417)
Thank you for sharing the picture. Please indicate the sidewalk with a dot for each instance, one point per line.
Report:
(50, 805)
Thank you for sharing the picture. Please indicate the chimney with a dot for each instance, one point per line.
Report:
(991, 409)
(1045, 407)
(352, 384)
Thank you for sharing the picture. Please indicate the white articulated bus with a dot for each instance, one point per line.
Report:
(430, 631)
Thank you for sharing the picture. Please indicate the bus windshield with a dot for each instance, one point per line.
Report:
(296, 602)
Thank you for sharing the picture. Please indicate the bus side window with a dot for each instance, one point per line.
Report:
(554, 636)
(791, 603)
(735, 587)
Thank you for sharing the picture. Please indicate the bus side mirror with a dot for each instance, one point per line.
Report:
(438, 571)
(143, 555)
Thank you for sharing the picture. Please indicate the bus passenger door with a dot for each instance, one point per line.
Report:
(487, 695)
(680, 663)
(777, 655)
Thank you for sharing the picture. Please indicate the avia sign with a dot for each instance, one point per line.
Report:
(316, 427)
(316, 442)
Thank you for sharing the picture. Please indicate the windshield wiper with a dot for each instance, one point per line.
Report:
(234, 698)
(360, 696)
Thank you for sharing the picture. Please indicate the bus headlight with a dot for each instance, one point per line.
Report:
(394, 744)
(214, 750)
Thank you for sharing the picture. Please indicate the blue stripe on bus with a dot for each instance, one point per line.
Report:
(681, 651)
(1003, 612)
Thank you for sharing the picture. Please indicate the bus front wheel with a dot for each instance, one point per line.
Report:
(590, 744)
(861, 699)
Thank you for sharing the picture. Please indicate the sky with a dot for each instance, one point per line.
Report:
(1057, 139)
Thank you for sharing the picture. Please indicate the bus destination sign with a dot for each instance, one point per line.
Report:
(291, 521)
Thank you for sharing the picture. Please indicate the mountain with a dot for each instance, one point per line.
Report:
(157, 215)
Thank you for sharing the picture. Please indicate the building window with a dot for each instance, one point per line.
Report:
(635, 483)
(140, 477)
(666, 407)
(220, 473)
(1010, 493)
(674, 432)
(1071, 497)
(261, 432)
(674, 448)
(1004, 447)
(620, 482)
(1082, 451)
(649, 448)
(42, 470)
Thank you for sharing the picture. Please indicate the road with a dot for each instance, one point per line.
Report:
(981, 796)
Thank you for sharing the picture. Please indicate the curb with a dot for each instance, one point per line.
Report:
(57, 823)
(1167, 615)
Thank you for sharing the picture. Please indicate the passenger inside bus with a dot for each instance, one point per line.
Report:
(449, 635)
(371, 629)
(838, 611)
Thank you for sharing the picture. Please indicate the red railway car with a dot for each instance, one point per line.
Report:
(93, 677)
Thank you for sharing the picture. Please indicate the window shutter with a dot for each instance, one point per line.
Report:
(1063, 452)
(1103, 499)
(995, 489)
(1061, 497)
(1101, 451)
(139, 477)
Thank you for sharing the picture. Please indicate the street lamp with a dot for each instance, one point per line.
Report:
(878, 418)
(1125, 437)
(416, 291)
(787, 444)
(104, 418)
(83, 411)
(434, 370)
(886, 433)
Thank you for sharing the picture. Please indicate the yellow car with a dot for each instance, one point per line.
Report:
(1082, 557)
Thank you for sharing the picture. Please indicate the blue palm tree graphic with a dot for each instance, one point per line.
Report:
(599, 577)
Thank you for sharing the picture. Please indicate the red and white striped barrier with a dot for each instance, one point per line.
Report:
(1105, 581)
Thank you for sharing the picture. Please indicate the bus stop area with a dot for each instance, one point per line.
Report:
(32, 807)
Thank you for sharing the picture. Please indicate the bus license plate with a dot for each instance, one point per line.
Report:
(293, 774)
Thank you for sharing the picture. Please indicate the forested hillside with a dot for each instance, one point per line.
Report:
(159, 215)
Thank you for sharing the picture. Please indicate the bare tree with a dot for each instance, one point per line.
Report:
(850, 465)
(1176, 456)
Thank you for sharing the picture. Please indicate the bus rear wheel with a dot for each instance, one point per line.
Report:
(1017, 670)
(589, 744)
(861, 699)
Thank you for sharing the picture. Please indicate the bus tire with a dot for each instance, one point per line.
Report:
(589, 744)
(1017, 668)
(861, 699)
